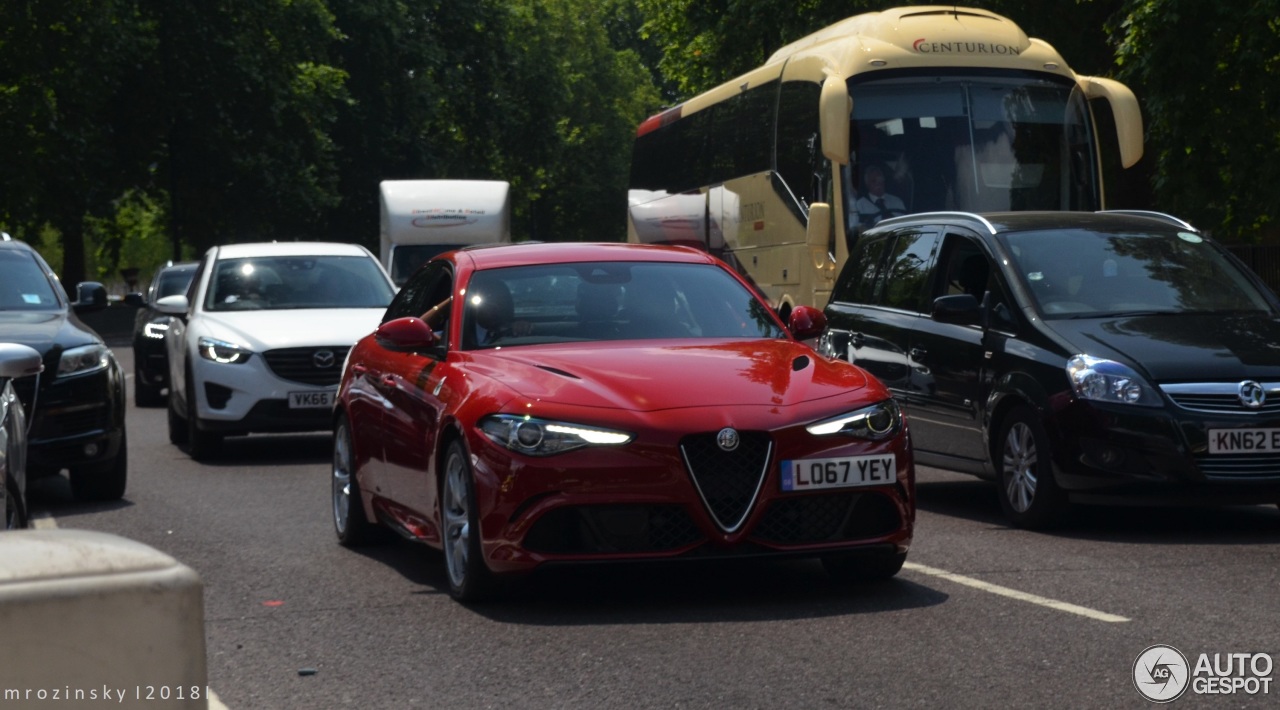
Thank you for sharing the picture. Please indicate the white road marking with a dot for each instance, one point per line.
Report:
(1015, 594)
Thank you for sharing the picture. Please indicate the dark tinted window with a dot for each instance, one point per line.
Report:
(861, 275)
(23, 284)
(799, 152)
(428, 287)
(908, 270)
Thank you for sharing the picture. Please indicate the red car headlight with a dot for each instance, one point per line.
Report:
(877, 422)
(541, 437)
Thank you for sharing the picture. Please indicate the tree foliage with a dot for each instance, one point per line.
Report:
(1209, 77)
(237, 120)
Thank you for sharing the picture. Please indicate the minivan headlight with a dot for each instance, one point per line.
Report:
(542, 437)
(878, 422)
(1102, 380)
(223, 352)
(83, 360)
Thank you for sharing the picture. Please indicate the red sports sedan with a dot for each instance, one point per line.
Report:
(529, 404)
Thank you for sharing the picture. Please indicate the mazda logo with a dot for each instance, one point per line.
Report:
(1251, 394)
(323, 359)
(727, 439)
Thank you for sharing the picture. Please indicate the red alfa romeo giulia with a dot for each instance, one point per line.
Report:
(529, 404)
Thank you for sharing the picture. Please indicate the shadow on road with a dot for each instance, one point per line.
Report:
(959, 496)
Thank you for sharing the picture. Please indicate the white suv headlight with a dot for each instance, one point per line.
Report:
(222, 351)
(83, 360)
(1109, 381)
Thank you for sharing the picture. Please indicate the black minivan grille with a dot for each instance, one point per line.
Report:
(728, 481)
(319, 366)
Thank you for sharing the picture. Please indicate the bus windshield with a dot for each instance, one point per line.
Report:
(972, 143)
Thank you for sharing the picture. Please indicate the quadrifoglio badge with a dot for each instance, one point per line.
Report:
(1163, 674)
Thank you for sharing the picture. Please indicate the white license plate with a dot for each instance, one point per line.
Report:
(310, 400)
(1244, 441)
(845, 472)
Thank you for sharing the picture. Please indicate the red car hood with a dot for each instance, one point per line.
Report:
(654, 377)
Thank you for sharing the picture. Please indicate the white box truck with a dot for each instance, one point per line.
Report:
(422, 218)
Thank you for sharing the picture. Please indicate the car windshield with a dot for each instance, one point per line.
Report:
(289, 282)
(23, 284)
(604, 301)
(1081, 273)
(171, 282)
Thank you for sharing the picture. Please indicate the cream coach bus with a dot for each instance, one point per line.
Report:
(947, 108)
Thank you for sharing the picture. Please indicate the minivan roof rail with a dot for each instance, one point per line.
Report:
(915, 216)
(1163, 217)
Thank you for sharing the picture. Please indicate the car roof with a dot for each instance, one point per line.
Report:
(240, 251)
(498, 256)
(1001, 222)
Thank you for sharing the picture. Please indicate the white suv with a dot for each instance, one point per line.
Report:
(261, 336)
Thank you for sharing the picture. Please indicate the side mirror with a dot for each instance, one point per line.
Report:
(18, 361)
(807, 322)
(90, 296)
(406, 334)
(961, 309)
(135, 299)
(173, 305)
(834, 109)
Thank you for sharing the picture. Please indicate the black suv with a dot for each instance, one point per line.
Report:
(150, 362)
(77, 409)
(1082, 356)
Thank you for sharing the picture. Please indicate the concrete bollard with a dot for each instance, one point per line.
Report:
(89, 616)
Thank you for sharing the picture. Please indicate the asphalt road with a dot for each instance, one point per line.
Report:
(983, 616)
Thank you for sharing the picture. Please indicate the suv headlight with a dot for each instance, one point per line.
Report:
(1109, 381)
(157, 328)
(878, 422)
(541, 437)
(83, 360)
(222, 351)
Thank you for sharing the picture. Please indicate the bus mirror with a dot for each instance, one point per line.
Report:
(1124, 107)
(818, 235)
(834, 111)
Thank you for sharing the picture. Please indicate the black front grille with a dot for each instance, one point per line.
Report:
(728, 481)
(310, 366)
(1251, 467)
(67, 420)
(611, 529)
(828, 518)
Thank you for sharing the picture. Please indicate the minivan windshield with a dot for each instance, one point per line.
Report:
(1083, 273)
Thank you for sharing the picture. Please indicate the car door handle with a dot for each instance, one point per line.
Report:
(918, 354)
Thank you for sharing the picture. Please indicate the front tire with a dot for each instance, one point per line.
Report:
(349, 521)
(105, 481)
(1029, 494)
(201, 444)
(470, 579)
(15, 510)
(145, 394)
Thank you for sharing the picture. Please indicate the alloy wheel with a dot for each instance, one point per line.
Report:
(1019, 461)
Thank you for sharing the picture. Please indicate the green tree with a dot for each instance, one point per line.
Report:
(1209, 80)
(68, 115)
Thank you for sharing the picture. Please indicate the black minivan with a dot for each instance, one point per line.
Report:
(1070, 356)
